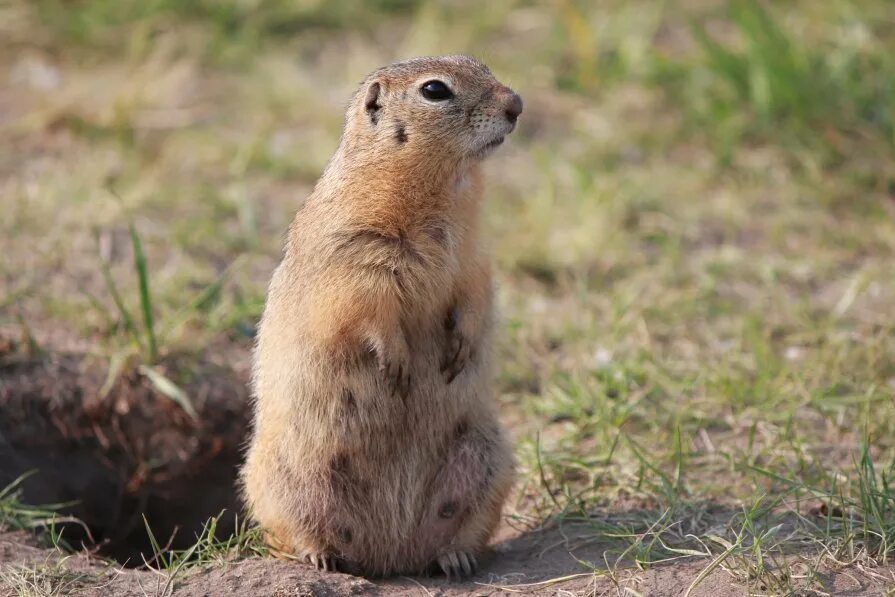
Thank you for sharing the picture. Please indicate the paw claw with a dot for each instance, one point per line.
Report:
(397, 376)
(457, 564)
(325, 562)
(464, 563)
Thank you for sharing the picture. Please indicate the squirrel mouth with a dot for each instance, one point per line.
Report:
(488, 147)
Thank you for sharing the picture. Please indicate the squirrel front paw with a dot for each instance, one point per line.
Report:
(397, 375)
(324, 561)
(393, 362)
(458, 347)
(457, 564)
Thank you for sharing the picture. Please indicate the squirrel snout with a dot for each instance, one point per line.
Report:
(513, 107)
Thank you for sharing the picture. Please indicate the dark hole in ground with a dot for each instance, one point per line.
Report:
(131, 453)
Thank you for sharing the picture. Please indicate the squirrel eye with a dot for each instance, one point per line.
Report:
(436, 91)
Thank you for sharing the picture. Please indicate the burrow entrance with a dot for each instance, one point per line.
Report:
(114, 454)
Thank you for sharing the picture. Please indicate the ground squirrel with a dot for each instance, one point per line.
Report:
(376, 447)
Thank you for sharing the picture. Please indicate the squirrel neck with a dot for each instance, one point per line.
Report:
(403, 186)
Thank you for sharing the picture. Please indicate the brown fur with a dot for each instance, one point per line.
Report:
(376, 446)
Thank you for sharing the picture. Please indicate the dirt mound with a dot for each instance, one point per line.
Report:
(113, 454)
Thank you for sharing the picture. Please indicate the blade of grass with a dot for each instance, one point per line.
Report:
(145, 297)
(201, 302)
(123, 311)
(169, 389)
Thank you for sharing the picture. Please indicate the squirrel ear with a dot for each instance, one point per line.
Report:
(371, 101)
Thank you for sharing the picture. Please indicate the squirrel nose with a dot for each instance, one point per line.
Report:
(514, 107)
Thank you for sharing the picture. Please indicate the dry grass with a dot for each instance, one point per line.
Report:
(51, 578)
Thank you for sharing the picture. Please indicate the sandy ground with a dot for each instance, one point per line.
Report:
(528, 564)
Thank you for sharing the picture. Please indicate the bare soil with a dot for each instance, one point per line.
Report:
(528, 564)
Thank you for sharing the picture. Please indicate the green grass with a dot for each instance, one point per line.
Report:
(208, 550)
(831, 94)
(694, 228)
(17, 515)
(235, 30)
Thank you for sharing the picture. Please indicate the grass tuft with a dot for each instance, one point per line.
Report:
(773, 85)
(16, 515)
(208, 550)
(49, 579)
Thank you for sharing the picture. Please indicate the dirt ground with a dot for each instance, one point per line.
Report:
(529, 563)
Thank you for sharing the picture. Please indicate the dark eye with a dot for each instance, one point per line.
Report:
(436, 91)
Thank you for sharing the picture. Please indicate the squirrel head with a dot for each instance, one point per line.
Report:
(445, 108)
